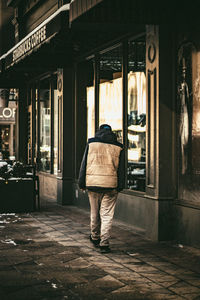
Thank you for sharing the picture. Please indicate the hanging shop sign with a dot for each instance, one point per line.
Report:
(7, 114)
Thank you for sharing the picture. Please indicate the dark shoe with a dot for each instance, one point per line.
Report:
(95, 242)
(104, 249)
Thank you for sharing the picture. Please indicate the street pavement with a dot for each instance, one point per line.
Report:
(47, 255)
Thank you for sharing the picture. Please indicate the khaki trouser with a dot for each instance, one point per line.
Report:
(102, 206)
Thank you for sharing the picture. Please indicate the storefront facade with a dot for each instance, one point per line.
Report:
(40, 65)
(117, 80)
(84, 65)
(144, 83)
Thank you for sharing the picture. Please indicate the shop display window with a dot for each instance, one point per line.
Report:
(8, 112)
(116, 86)
(85, 106)
(136, 129)
(110, 90)
(36, 100)
(90, 112)
(5, 137)
(45, 125)
(188, 122)
(56, 125)
(90, 107)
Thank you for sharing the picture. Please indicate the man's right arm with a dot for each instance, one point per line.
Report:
(82, 172)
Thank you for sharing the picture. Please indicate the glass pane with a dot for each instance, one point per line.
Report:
(90, 101)
(56, 125)
(188, 125)
(110, 90)
(136, 116)
(36, 124)
(45, 125)
(8, 117)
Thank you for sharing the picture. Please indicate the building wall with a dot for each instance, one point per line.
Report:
(6, 27)
(48, 187)
(32, 18)
(187, 223)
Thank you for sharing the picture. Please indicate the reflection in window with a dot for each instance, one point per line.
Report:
(8, 112)
(136, 116)
(56, 125)
(90, 112)
(89, 83)
(45, 125)
(36, 154)
(110, 90)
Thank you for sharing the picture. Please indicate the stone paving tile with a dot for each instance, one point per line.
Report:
(127, 292)
(78, 263)
(88, 292)
(149, 286)
(140, 268)
(107, 283)
(124, 259)
(185, 275)
(192, 296)
(194, 282)
(182, 288)
(160, 277)
(46, 229)
(68, 278)
(72, 243)
(160, 296)
(54, 234)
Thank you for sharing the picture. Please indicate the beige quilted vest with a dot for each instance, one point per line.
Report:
(102, 165)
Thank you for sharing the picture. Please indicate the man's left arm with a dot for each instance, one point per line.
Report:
(121, 171)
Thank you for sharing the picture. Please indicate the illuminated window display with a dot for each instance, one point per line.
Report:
(90, 112)
(56, 126)
(87, 91)
(113, 88)
(110, 90)
(8, 110)
(188, 122)
(45, 125)
(136, 116)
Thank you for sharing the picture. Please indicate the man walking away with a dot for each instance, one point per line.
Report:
(102, 174)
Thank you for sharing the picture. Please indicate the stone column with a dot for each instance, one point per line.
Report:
(160, 165)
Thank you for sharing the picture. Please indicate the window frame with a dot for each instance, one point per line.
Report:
(96, 56)
(36, 153)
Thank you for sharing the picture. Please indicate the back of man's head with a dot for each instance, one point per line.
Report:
(105, 126)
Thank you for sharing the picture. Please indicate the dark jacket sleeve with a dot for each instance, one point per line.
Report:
(82, 172)
(121, 172)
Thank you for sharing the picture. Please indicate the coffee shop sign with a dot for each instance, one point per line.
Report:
(31, 42)
(7, 114)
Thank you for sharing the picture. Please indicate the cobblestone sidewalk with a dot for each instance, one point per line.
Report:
(47, 255)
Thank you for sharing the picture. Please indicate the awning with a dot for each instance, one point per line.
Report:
(79, 7)
(106, 12)
(40, 35)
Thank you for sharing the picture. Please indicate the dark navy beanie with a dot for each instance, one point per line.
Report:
(105, 126)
